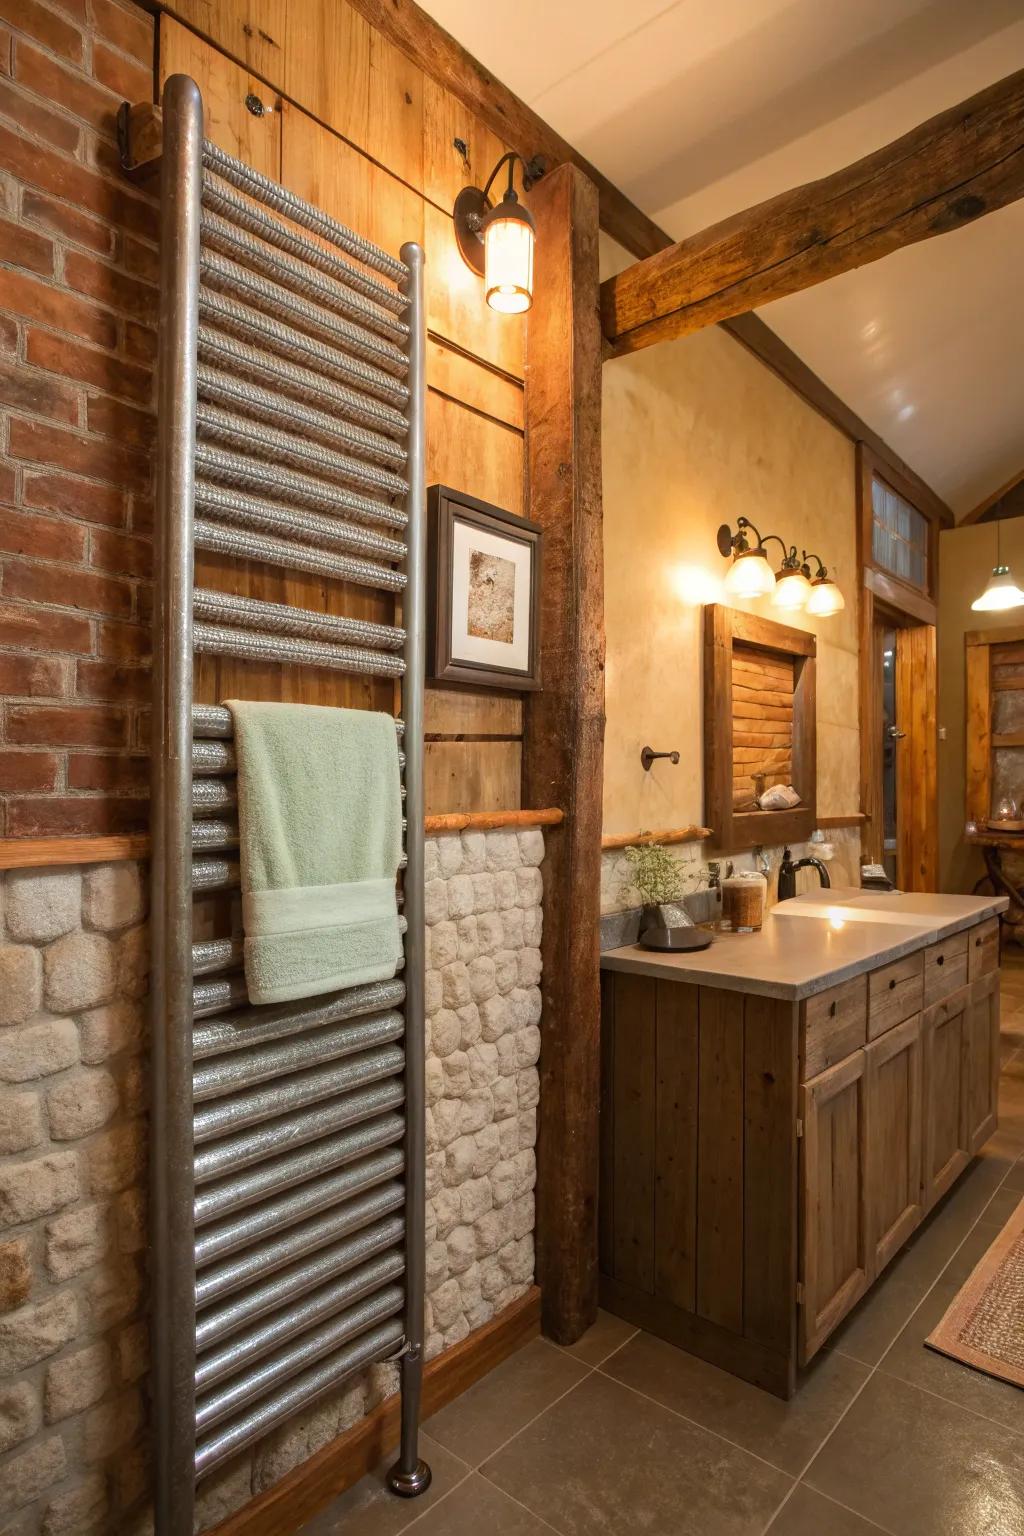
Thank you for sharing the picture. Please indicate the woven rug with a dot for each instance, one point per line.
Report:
(984, 1327)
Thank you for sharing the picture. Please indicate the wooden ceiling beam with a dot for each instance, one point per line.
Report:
(959, 165)
(976, 514)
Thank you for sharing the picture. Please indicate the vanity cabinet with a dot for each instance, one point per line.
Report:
(947, 1038)
(982, 1044)
(834, 1199)
(892, 1071)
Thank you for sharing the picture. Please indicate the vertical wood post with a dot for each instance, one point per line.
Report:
(564, 732)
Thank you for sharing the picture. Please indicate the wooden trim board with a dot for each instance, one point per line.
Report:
(337, 1466)
(672, 835)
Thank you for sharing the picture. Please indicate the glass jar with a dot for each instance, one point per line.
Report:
(743, 902)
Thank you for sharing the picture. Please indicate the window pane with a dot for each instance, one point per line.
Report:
(899, 536)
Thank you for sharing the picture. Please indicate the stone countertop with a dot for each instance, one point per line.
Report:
(837, 935)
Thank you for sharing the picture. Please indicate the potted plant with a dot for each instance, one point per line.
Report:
(659, 880)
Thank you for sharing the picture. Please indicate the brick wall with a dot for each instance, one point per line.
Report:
(77, 344)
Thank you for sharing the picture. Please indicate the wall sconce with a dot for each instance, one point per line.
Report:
(791, 586)
(497, 242)
(1002, 591)
(750, 575)
(824, 598)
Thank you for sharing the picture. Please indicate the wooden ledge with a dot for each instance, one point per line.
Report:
(52, 852)
(673, 835)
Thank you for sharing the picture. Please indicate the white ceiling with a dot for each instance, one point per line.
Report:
(697, 110)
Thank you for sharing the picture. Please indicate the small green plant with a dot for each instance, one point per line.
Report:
(654, 873)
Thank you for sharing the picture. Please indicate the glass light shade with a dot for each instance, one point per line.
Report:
(750, 575)
(825, 598)
(1002, 592)
(792, 589)
(508, 263)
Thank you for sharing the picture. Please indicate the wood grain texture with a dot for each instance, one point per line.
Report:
(832, 1024)
(488, 821)
(893, 1140)
(978, 733)
(942, 175)
(675, 1153)
(981, 1089)
(472, 776)
(669, 835)
(945, 1148)
(917, 789)
(340, 1464)
(564, 731)
(634, 1113)
(835, 1256)
(54, 852)
(770, 1173)
(720, 1203)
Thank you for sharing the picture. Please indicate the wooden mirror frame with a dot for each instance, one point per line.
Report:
(735, 831)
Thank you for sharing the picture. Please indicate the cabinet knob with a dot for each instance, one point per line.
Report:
(977, 943)
(833, 1010)
(940, 960)
(892, 985)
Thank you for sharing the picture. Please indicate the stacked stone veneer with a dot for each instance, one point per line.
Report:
(73, 1340)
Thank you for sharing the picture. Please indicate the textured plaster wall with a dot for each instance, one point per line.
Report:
(695, 433)
(74, 1447)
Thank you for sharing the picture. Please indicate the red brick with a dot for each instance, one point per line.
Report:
(141, 517)
(70, 223)
(132, 427)
(108, 286)
(22, 389)
(88, 364)
(8, 482)
(76, 9)
(67, 725)
(42, 538)
(141, 259)
(111, 775)
(6, 52)
(38, 120)
(22, 247)
(107, 680)
(27, 773)
(139, 342)
(96, 457)
(35, 300)
(126, 27)
(131, 80)
(8, 334)
(54, 816)
(41, 73)
(45, 26)
(103, 504)
(50, 172)
(31, 677)
(121, 554)
(124, 642)
(84, 590)
(40, 629)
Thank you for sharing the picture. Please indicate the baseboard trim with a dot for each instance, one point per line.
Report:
(334, 1468)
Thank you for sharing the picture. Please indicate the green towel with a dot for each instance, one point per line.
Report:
(320, 827)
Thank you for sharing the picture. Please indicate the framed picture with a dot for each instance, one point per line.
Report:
(483, 604)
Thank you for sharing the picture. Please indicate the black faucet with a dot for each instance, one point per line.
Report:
(787, 874)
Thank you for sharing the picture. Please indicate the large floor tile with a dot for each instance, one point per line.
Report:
(477, 1507)
(370, 1509)
(483, 1418)
(606, 1460)
(807, 1513)
(912, 1361)
(1003, 1204)
(785, 1433)
(607, 1335)
(919, 1466)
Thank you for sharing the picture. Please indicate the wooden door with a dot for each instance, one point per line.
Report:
(835, 1258)
(981, 1069)
(893, 1123)
(944, 1033)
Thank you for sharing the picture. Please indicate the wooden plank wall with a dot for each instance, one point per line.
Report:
(762, 716)
(358, 129)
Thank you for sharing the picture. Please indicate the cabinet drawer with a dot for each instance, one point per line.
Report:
(945, 968)
(983, 949)
(895, 993)
(833, 1024)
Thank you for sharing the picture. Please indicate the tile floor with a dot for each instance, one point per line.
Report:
(624, 1434)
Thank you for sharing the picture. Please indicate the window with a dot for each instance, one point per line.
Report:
(899, 536)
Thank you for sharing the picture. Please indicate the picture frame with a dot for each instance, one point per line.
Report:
(483, 593)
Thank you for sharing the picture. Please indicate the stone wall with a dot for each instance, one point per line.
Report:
(73, 1347)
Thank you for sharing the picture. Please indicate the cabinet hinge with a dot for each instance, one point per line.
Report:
(799, 1293)
(799, 1129)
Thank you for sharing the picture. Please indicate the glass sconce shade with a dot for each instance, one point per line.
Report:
(508, 259)
(1001, 593)
(792, 589)
(750, 575)
(825, 598)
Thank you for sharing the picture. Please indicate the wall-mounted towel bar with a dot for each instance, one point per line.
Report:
(288, 1141)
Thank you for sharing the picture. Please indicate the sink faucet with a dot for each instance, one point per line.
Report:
(787, 874)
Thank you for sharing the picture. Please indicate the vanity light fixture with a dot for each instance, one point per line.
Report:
(824, 598)
(791, 586)
(750, 575)
(1002, 591)
(497, 241)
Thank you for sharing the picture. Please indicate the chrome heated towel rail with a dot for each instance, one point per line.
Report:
(288, 1142)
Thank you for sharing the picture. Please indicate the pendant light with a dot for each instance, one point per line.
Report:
(497, 242)
(1002, 591)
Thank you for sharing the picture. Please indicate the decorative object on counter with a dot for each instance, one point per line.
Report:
(497, 242)
(483, 584)
(788, 869)
(743, 902)
(781, 797)
(791, 587)
(657, 877)
(648, 756)
(1002, 592)
(874, 878)
(675, 940)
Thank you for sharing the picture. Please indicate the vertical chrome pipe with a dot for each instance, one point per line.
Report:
(410, 1476)
(173, 1312)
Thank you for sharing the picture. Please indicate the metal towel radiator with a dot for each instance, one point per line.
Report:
(288, 1142)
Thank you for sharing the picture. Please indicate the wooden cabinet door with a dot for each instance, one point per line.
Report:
(835, 1261)
(944, 1035)
(893, 1125)
(981, 1038)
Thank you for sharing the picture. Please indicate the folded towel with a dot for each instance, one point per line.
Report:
(320, 827)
